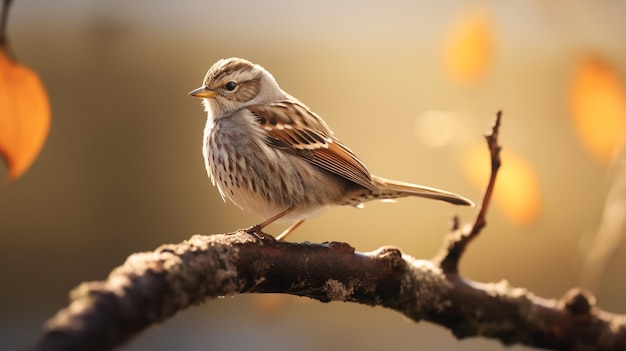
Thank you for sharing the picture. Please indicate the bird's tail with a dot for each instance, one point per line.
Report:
(391, 189)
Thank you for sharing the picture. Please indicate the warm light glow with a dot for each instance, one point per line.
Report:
(598, 107)
(517, 193)
(469, 46)
(268, 303)
(434, 128)
(24, 115)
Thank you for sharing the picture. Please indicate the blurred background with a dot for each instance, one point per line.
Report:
(410, 86)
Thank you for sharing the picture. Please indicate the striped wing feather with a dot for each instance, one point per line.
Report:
(310, 139)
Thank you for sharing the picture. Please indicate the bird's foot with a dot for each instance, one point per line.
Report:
(257, 230)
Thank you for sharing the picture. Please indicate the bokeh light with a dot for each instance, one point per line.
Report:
(517, 193)
(598, 107)
(469, 46)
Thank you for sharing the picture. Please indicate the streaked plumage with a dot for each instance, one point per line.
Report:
(271, 155)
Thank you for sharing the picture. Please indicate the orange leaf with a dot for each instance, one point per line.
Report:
(598, 104)
(517, 193)
(468, 47)
(24, 115)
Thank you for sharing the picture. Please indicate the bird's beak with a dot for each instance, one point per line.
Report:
(203, 93)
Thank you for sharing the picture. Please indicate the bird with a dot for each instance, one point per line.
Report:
(271, 155)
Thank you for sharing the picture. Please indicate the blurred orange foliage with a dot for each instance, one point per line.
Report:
(468, 47)
(517, 192)
(24, 115)
(598, 107)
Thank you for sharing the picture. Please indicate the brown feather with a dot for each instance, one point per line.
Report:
(312, 142)
(401, 189)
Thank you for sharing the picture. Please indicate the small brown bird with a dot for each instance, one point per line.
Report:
(271, 155)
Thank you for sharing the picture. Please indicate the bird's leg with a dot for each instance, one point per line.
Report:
(289, 230)
(258, 229)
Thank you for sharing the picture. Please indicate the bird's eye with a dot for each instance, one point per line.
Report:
(230, 86)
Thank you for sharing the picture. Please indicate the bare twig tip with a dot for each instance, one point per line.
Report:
(456, 243)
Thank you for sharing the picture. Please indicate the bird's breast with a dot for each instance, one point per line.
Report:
(257, 177)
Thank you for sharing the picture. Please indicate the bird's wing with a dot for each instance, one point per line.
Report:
(309, 138)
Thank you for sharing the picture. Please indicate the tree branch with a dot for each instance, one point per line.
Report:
(152, 286)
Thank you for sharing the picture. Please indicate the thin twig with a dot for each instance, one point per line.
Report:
(4, 18)
(496, 162)
(456, 242)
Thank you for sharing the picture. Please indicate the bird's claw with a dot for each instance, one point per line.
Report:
(257, 231)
